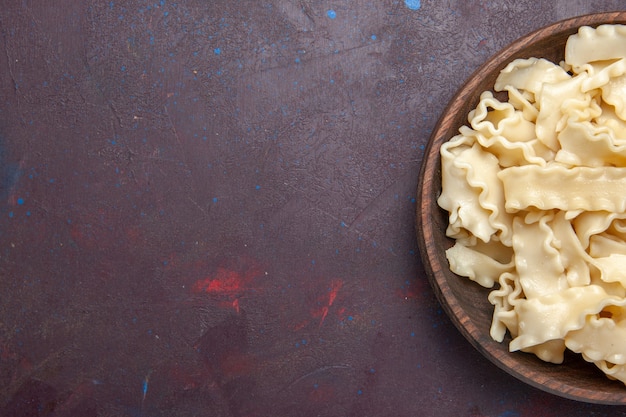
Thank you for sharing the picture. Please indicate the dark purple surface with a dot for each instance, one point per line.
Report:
(207, 208)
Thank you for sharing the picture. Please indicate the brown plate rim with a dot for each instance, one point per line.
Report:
(435, 264)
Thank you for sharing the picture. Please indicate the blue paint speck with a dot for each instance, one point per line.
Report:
(217, 51)
(373, 37)
(215, 199)
(258, 187)
(20, 201)
(413, 4)
(331, 14)
(359, 392)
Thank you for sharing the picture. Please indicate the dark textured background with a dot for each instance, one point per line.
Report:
(207, 208)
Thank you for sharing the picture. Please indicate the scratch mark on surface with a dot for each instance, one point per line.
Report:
(115, 114)
(16, 89)
(172, 126)
(318, 57)
(401, 179)
(195, 203)
(319, 370)
(306, 9)
(9, 59)
(52, 360)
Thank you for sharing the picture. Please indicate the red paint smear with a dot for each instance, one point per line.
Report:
(235, 365)
(85, 235)
(134, 235)
(26, 364)
(335, 286)
(77, 398)
(408, 294)
(223, 282)
(171, 261)
(322, 393)
(334, 289)
(228, 283)
(299, 326)
(189, 376)
(411, 291)
(544, 405)
(6, 353)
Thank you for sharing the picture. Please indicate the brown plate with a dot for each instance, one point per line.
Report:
(465, 301)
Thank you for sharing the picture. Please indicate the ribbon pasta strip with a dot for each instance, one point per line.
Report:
(535, 188)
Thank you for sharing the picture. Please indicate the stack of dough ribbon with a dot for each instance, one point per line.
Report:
(535, 188)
